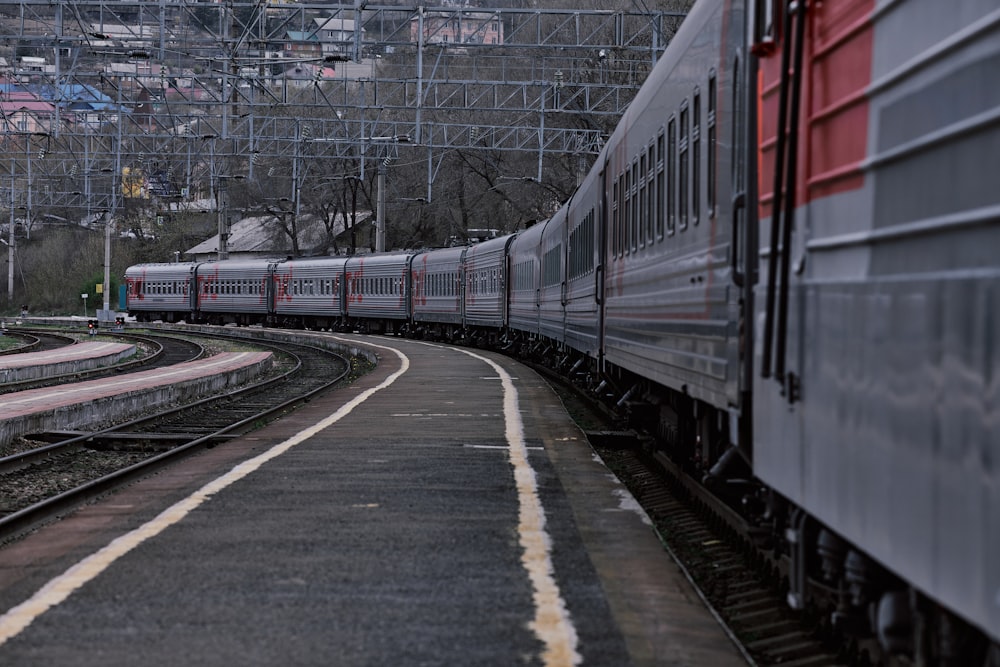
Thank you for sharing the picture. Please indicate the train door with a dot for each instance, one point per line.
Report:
(270, 290)
(602, 250)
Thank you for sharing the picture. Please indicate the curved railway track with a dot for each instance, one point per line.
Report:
(36, 341)
(42, 482)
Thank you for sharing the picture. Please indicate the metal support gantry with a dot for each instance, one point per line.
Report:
(179, 93)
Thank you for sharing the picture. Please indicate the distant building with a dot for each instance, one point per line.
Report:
(22, 112)
(458, 27)
(302, 44)
(109, 35)
(337, 35)
(260, 236)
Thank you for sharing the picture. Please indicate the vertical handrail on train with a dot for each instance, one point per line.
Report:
(784, 186)
(786, 240)
(776, 197)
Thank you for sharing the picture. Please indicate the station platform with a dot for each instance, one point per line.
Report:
(75, 358)
(441, 510)
(71, 405)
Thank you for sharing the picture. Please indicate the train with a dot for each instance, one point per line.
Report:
(785, 264)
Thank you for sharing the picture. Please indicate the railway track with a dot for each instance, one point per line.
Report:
(56, 472)
(742, 585)
(33, 341)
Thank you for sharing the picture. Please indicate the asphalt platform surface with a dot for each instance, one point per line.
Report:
(442, 510)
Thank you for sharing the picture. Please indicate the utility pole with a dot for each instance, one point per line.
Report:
(380, 209)
(10, 244)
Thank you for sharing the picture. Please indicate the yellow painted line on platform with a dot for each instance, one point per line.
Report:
(57, 590)
(552, 623)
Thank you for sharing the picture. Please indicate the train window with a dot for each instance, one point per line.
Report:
(627, 214)
(588, 251)
(581, 247)
(683, 194)
(671, 165)
(633, 228)
(738, 136)
(711, 143)
(650, 205)
(613, 231)
(660, 186)
(643, 214)
(619, 208)
(695, 156)
(551, 266)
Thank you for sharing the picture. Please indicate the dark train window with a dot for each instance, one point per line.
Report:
(696, 157)
(711, 144)
(650, 206)
(633, 230)
(683, 169)
(551, 266)
(613, 218)
(739, 139)
(643, 214)
(661, 190)
(619, 215)
(581, 248)
(671, 197)
(627, 218)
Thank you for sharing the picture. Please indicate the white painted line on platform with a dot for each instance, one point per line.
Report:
(57, 590)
